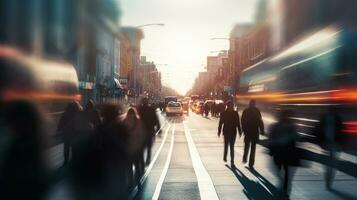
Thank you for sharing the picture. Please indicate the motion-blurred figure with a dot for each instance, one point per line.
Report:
(151, 125)
(213, 109)
(23, 173)
(113, 144)
(328, 133)
(252, 125)
(68, 127)
(91, 114)
(206, 109)
(283, 137)
(230, 121)
(136, 142)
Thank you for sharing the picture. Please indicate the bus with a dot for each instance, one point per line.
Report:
(50, 84)
(308, 77)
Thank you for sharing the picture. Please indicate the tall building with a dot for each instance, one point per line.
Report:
(130, 42)
(150, 79)
(82, 32)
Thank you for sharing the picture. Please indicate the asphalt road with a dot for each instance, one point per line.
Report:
(188, 163)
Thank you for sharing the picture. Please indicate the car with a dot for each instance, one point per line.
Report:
(174, 108)
(185, 107)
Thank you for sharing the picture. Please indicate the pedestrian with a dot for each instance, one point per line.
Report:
(213, 109)
(282, 144)
(252, 125)
(68, 127)
(112, 138)
(91, 114)
(23, 170)
(151, 125)
(230, 122)
(329, 135)
(136, 142)
(206, 108)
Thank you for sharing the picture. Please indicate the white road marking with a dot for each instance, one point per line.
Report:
(166, 167)
(151, 165)
(205, 184)
(161, 127)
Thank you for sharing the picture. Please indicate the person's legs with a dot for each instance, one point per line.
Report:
(286, 179)
(330, 168)
(148, 150)
(225, 149)
(246, 149)
(232, 141)
(66, 151)
(252, 153)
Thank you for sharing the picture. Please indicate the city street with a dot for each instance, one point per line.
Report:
(187, 164)
(121, 99)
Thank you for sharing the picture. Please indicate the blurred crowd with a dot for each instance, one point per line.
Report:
(105, 150)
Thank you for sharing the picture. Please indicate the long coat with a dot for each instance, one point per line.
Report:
(230, 122)
(252, 123)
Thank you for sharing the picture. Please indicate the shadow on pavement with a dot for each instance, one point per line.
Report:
(254, 189)
(344, 166)
(342, 195)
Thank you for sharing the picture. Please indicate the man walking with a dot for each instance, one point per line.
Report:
(151, 125)
(252, 125)
(229, 119)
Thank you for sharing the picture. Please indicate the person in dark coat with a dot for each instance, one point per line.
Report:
(136, 142)
(68, 127)
(252, 125)
(329, 135)
(207, 108)
(283, 137)
(113, 142)
(151, 125)
(213, 109)
(91, 114)
(23, 170)
(230, 122)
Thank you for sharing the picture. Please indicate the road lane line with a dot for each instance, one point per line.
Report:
(205, 184)
(134, 192)
(166, 167)
(157, 132)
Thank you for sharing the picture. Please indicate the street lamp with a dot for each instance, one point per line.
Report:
(220, 38)
(220, 51)
(154, 24)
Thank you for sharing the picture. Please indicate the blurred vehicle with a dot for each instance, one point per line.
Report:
(198, 108)
(195, 97)
(308, 77)
(174, 108)
(169, 99)
(188, 99)
(50, 84)
(219, 102)
(185, 107)
(209, 103)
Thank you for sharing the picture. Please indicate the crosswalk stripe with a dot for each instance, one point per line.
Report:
(205, 184)
(166, 167)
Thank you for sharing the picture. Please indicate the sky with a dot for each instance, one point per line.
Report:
(180, 48)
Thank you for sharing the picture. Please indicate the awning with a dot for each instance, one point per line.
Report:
(117, 84)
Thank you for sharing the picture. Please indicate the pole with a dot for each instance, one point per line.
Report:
(134, 73)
